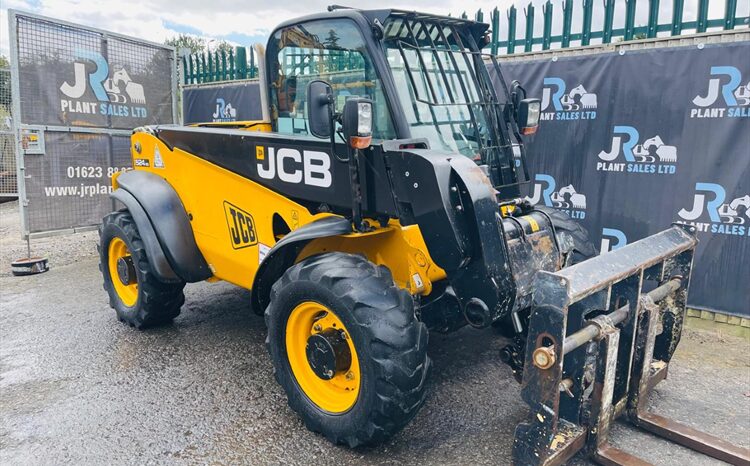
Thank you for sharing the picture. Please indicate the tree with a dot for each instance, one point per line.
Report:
(186, 41)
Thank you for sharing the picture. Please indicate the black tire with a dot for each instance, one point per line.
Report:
(390, 342)
(572, 238)
(157, 302)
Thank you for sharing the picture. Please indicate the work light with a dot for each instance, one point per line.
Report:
(357, 122)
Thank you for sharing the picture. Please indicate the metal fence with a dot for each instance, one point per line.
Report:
(505, 38)
(8, 183)
(219, 65)
(511, 34)
(77, 94)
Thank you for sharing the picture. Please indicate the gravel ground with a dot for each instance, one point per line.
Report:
(79, 387)
(60, 250)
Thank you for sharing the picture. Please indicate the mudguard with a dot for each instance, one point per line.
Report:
(157, 208)
(283, 254)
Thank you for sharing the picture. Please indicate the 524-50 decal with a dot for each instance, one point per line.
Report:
(241, 226)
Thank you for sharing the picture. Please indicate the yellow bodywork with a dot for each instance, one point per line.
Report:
(224, 207)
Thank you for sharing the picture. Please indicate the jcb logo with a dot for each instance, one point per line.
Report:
(310, 167)
(241, 226)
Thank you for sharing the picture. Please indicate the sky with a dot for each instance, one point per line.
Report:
(250, 21)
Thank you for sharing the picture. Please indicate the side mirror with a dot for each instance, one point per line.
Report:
(527, 110)
(527, 115)
(319, 111)
(356, 122)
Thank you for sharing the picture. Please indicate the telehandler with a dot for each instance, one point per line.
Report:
(379, 199)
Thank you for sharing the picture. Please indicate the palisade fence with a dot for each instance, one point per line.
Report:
(512, 34)
(505, 39)
(219, 65)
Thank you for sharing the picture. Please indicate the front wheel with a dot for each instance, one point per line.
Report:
(347, 348)
(138, 297)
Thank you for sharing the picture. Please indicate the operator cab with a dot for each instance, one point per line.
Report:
(425, 75)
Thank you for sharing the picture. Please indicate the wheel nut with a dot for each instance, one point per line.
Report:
(544, 357)
(317, 327)
(329, 373)
(350, 375)
(344, 335)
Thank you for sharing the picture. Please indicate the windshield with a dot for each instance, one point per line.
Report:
(332, 50)
(437, 84)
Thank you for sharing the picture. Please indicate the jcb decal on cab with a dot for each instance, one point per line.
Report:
(241, 226)
(310, 167)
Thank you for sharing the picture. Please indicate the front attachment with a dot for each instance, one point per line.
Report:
(597, 345)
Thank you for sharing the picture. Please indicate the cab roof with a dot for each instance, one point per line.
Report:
(476, 29)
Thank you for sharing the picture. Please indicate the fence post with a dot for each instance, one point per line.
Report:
(241, 63)
(729, 14)
(253, 68)
(511, 30)
(588, 5)
(609, 12)
(185, 74)
(529, 42)
(653, 18)
(224, 71)
(204, 72)
(702, 16)
(567, 21)
(547, 33)
(232, 66)
(629, 19)
(677, 7)
(479, 16)
(495, 18)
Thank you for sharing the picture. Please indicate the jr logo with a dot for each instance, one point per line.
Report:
(578, 104)
(609, 234)
(241, 226)
(653, 156)
(310, 167)
(724, 218)
(726, 94)
(566, 199)
(112, 93)
(224, 111)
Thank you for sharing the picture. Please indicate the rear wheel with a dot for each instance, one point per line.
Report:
(138, 297)
(347, 348)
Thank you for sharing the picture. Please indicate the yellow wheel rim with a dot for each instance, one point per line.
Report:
(338, 394)
(128, 294)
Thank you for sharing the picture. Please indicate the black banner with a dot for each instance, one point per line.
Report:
(631, 143)
(77, 77)
(236, 101)
(91, 87)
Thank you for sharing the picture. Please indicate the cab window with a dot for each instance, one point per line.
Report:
(331, 50)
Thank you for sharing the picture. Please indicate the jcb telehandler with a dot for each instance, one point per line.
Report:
(380, 198)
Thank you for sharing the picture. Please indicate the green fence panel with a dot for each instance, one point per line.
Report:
(529, 41)
(567, 22)
(511, 44)
(653, 18)
(547, 31)
(677, 7)
(629, 19)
